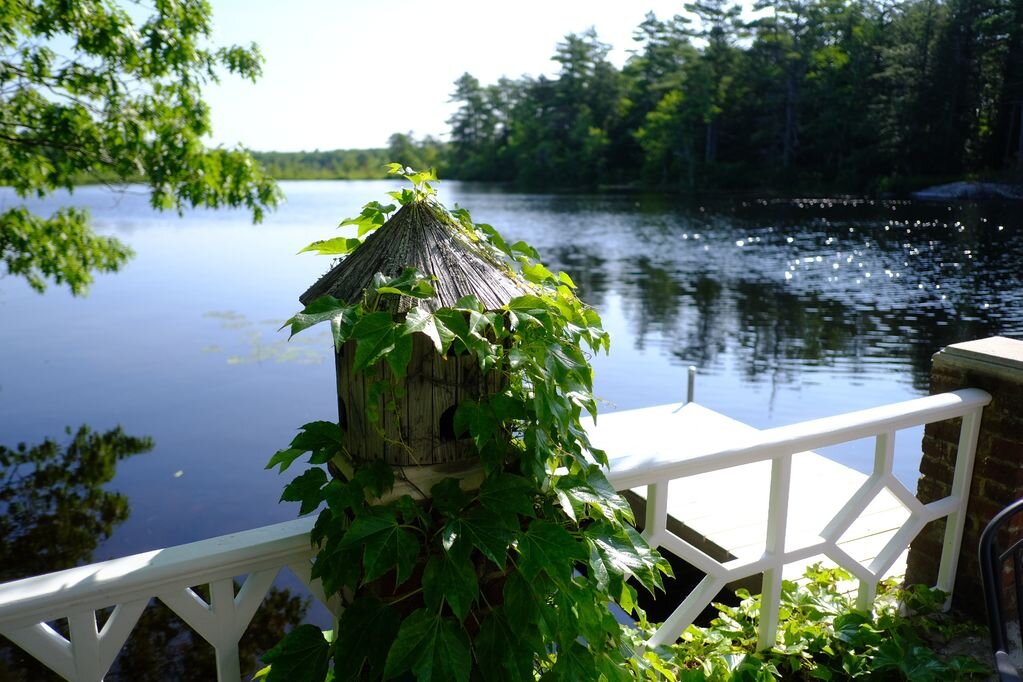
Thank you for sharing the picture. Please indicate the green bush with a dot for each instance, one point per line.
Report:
(821, 636)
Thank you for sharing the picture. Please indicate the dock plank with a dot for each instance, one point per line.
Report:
(725, 512)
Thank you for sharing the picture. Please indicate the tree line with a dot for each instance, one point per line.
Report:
(354, 164)
(860, 95)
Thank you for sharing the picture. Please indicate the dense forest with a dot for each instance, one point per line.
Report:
(848, 95)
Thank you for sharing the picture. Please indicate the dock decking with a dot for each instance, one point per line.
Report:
(724, 513)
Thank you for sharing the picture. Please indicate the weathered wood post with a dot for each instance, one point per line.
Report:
(418, 427)
(994, 364)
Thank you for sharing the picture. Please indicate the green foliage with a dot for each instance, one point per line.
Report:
(300, 657)
(57, 248)
(486, 583)
(88, 89)
(826, 94)
(821, 637)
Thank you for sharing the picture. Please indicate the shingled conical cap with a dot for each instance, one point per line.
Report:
(420, 235)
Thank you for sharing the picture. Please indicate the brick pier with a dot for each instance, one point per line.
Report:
(996, 365)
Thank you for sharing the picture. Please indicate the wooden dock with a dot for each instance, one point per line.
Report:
(724, 513)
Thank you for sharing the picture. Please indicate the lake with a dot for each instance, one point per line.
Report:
(791, 309)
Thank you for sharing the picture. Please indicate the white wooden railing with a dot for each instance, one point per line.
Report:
(778, 445)
(129, 584)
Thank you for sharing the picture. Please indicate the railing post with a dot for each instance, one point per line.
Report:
(774, 547)
(996, 365)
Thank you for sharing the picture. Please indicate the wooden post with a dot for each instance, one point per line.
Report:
(996, 365)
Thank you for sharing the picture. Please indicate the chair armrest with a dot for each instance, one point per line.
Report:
(1006, 670)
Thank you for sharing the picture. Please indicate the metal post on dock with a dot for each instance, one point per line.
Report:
(691, 387)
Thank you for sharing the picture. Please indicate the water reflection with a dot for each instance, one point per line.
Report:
(781, 287)
(55, 511)
(53, 508)
(162, 647)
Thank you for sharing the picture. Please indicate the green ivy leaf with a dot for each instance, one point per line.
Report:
(495, 238)
(302, 656)
(482, 529)
(410, 282)
(376, 477)
(479, 421)
(452, 579)
(525, 249)
(537, 273)
(529, 309)
(374, 214)
(400, 356)
(547, 547)
(403, 196)
(621, 551)
(432, 647)
(500, 653)
(307, 489)
(318, 434)
(448, 497)
(523, 605)
(341, 315)
(338, 246)
(424, 322)
(341, 496)
(366, 632)
(508, 492)
(285, 458)
(598, 493)
(455, 322)
(387, 545)
(374, 335)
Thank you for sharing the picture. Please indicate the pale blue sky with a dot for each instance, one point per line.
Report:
(347, 73)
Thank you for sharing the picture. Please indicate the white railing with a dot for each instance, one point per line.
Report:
(778, 445)
(128, 584)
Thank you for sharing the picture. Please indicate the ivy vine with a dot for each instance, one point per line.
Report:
(507, 581)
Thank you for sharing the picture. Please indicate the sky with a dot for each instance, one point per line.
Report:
(346, 74)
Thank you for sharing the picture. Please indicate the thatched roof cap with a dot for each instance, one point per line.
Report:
(421, 237)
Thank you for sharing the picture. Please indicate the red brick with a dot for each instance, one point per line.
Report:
(1008, 424)
(998, 492)
(938, 445)
(935, 467)
(929, 489)
(998, 469)
(1006, 449)
(983, 509)
(947, 430)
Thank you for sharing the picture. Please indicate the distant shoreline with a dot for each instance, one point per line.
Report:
(920, 189)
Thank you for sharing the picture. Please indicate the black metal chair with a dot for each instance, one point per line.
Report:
(993, 559)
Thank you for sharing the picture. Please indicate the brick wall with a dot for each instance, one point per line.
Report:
(995, 365)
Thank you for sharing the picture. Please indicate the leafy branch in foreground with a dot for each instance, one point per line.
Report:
(91, 90)
(499, 580)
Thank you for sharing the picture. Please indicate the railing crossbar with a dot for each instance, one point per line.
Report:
(637, 470)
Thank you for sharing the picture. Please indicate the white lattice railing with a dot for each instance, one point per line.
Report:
(778, 445)
(129, 584)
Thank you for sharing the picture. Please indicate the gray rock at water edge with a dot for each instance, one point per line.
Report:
(956, 191)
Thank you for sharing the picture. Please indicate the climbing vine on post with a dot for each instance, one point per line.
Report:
(502, 574)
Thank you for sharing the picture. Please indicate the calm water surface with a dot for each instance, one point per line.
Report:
(791, 310)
